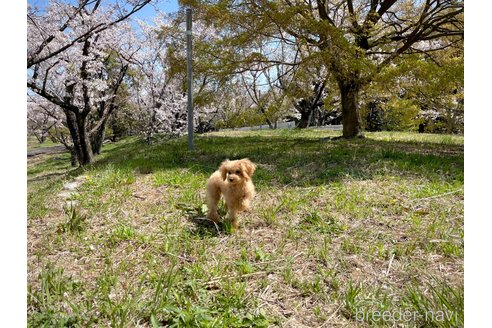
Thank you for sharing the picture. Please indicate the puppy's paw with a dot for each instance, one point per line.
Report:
(246, 206)
(235, 223)
(214, 216)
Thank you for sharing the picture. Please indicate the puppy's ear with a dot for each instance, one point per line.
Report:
(223, 169)
(249, 167)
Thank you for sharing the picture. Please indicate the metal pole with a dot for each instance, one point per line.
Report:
(189, 78)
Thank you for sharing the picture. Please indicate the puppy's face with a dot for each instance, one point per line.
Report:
(238, 171)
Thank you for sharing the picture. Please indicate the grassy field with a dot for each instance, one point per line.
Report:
(340, 231)
(33, 143)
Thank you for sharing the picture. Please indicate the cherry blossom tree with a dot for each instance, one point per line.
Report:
(60, 28)
(159, 87)
(47, 120)
(42, 117)
(157, 93)
(78, 57)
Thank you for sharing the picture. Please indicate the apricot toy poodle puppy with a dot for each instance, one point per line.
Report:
(233, 180)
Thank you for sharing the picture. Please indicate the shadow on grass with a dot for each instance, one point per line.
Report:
(293, 161)
(52, 169)
(204, 228)
(49, 176)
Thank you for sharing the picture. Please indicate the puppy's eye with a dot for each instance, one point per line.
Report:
(238, 172)
(229, 172)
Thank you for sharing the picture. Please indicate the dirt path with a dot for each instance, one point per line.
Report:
(46, 150)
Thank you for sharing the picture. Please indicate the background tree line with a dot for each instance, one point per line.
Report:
(94, 72)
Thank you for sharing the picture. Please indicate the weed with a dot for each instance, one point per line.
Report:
(441, 306)
(46, 302)
(76, 220)
(352, 300)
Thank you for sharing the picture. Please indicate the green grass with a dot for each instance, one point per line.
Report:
(33, 143)
(339, 229)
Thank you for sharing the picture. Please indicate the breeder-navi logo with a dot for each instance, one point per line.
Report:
(405, 316)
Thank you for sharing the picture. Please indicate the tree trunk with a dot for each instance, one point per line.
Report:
(76, 123)
(73, 157)
(262, 110)
(304, 120)
(86, 147)
(308, 107)
(97, 134)
(97, 139)
(350, 110)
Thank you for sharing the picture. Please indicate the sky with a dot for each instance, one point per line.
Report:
(146, 13)
(167, 6)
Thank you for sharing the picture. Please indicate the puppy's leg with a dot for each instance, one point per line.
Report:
(232, 218)
(246, 204)
(213, 197)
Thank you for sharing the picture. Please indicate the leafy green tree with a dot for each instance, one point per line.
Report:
(438, 87)
(355, 40)
(374, 116)
(433, 83)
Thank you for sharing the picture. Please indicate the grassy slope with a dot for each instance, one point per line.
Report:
(338, 229)
(32, 143)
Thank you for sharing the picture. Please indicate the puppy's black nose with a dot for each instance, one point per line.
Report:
(230, 180)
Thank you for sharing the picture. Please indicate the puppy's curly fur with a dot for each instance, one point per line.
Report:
(233, 180)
